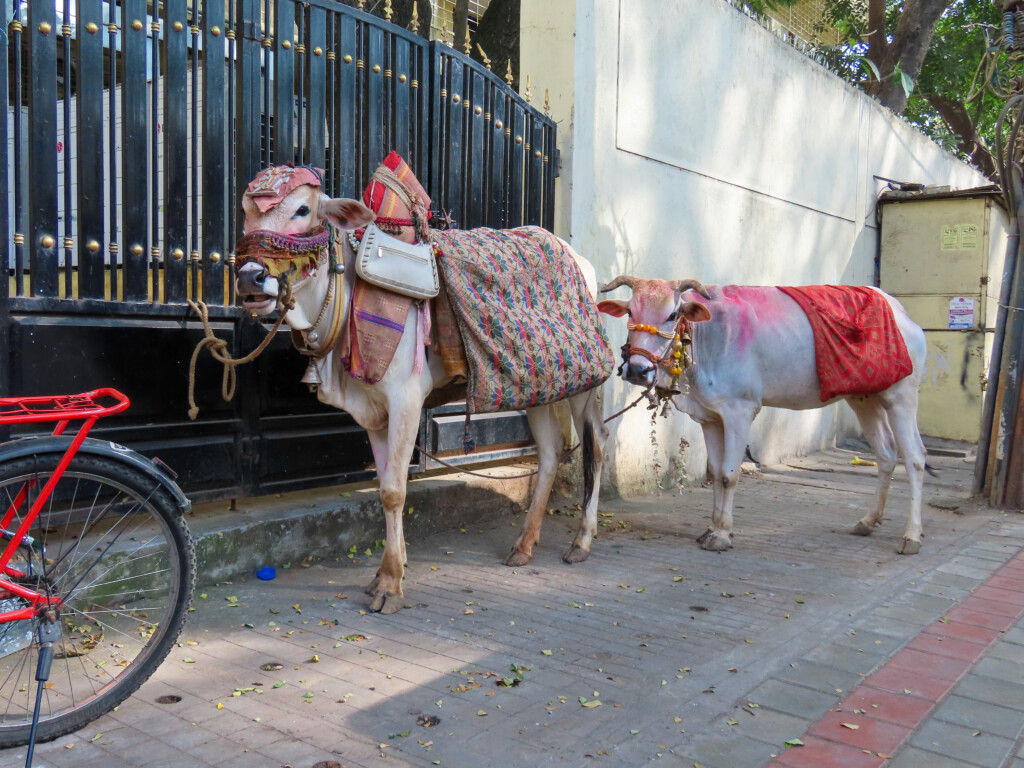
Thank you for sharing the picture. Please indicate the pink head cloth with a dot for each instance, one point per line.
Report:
(274, 184)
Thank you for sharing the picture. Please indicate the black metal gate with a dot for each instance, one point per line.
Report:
(129, 135)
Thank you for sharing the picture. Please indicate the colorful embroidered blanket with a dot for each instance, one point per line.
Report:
(858, 347)
(531, 331)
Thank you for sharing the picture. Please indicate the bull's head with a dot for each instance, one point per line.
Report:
(286, 237)
(658, 315)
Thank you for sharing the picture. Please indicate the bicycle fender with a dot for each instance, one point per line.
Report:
(91, 446)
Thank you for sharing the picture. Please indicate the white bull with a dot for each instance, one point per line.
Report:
(753, 346)
(390, 409)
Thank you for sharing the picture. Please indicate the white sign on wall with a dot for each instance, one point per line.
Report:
(961, 312)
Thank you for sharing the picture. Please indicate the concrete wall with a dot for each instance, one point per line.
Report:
(696, 144)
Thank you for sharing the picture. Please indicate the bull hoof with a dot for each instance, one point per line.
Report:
(715, 542)
(862, 530)
(908, 546)
(387, 604)
(518, 559)
(576, 554)
(371, 588)
(703, 537)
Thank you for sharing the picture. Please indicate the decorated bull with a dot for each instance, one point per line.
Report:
(722, 352)
(514, 326)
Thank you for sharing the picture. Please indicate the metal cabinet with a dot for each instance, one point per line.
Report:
(941, 254)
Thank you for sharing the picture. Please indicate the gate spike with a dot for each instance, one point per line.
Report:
(547, 104)
(508, 74)
(527, 94)
(387, 10)
(414, 24)
(487, 62)
(361, 5)
(468, 46)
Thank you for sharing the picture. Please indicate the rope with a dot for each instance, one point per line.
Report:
(219, 349)
(561, 459)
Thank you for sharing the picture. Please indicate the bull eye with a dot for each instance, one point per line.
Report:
(302, 210)
(671, 318)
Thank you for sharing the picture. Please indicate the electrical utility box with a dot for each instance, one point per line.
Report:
(941, 254)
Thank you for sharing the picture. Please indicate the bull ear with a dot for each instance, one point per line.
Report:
(345, 213)
(695, 312)
(613, 307)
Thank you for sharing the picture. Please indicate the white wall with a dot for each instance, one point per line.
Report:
(700, 145)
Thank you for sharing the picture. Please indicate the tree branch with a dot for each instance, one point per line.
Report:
(971, 144)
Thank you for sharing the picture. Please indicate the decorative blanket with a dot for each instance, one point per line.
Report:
(531, 331)
(858, 347)
(377, 316)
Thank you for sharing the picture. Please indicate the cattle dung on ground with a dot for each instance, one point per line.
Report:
(297, 249)
(720, 353)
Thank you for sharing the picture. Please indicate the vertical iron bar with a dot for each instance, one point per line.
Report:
(300, 82)
(134, 169)
(68, 242)
(496, 215)
(153, 179)
(517, 170)
(400, 103)
(316, 43)
(175, 140)
(376, 137)
(331, 99)
(269, 121)
(5, 223)
(476, 172)
(284, 82)
(42, 139)
(232, 116)
(195, 255)
(112, 202)
(345, 146)
(89, 149)
(19, 223)
(248, 115)
(215, 174)
(455, 122)
(535, 173)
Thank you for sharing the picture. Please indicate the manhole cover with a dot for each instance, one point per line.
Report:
(272, 666)
(168, 699)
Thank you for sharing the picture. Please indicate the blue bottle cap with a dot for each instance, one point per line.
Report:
(266, 573)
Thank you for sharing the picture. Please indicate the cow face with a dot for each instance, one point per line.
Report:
(656, 313)
(300, 212)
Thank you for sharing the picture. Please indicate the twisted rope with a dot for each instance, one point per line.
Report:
(219, 349)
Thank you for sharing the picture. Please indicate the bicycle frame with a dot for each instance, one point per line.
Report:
(62, 409)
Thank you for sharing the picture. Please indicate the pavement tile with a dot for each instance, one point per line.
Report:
(963, 631)
(1000, 669)
(988, 591)
(818, 753)
(946, 646)
(981, 716)
(929, 664)
(1007, 651)
(819, 677)
(991, 690)
(968, 615)
(791, 699)
(912, 757)
(897, 680)
(997, 607)
(896, 708)
(869, 733)
(962, 743)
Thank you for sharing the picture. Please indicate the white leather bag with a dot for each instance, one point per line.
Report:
(405, 268)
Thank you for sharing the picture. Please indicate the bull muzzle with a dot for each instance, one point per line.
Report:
(640, 371)
(256, 288)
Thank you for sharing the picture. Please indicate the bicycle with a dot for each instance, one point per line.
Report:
(97, 570)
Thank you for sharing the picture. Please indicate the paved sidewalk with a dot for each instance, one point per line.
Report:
(717, 660)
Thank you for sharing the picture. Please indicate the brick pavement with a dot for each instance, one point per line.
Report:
(696, 658)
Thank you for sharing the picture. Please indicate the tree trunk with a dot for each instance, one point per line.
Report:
(971, 143)
(460, 24)
(498, 34)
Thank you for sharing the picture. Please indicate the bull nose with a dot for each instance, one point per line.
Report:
(640, 371)
(251, 277)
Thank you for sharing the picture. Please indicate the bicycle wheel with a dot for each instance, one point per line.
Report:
(111, 543)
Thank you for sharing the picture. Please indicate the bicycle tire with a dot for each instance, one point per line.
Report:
(119, 554)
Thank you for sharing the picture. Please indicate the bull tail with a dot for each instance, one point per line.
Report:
(589, 463)
(931, 470)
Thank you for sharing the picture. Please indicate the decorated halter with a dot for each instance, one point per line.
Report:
(673, 356)
(286, 255)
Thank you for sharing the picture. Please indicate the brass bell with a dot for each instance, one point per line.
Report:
(312, 375)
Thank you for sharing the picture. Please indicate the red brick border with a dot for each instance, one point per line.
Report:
(897, 697)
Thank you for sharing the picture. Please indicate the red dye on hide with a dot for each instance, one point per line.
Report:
(858, 347)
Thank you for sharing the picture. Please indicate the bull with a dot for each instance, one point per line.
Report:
(751, 347)
(390, 409)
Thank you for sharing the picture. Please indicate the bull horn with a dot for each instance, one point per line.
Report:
(620, 280)
(686, 285)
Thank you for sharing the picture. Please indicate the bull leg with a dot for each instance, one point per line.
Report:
(392, 450)
(587, 415)
(714, 440)
(548, 436)
(734, 433)
(874, 423)
(903, 418)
